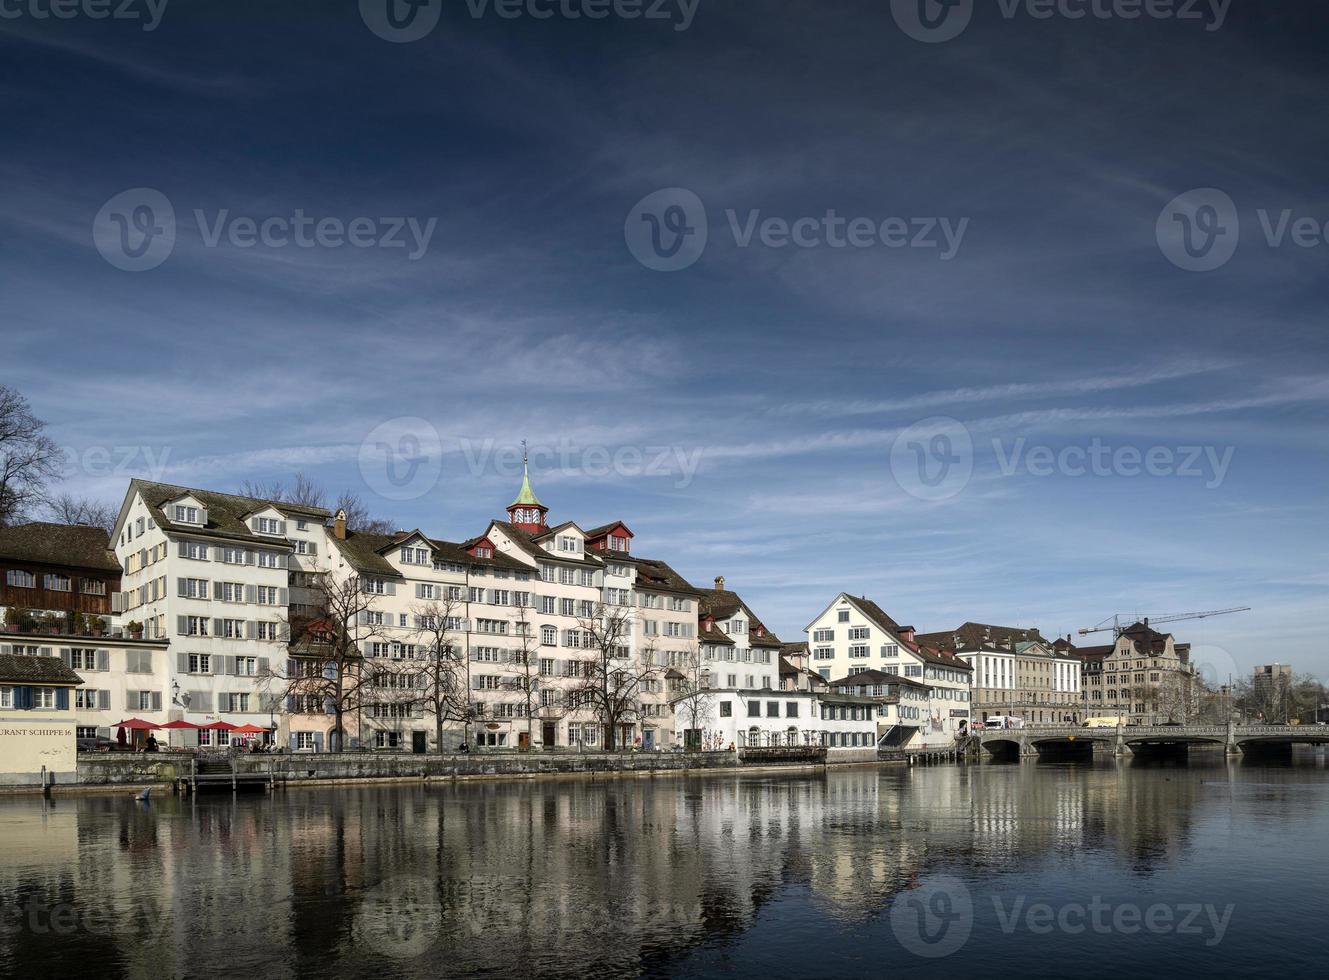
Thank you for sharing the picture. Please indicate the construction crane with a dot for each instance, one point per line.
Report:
(1117, 628)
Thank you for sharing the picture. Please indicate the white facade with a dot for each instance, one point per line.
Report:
(853, 634)
(742, 718)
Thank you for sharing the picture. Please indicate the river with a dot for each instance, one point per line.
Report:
(1213, 868)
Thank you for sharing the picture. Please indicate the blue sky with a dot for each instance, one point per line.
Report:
(785, 375)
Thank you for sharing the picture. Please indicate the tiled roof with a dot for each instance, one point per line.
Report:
(720, 603)
(531, 544)
(656, 575)
(978, 636)
(226, 511)
(68, 545)
(361, 549)
(36, 670)
(715, 636)
(874, 677)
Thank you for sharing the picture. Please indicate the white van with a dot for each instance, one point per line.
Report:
(1003, 722)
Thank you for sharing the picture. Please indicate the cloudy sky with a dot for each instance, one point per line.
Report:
(1023, 325)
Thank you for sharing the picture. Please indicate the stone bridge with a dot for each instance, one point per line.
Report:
(1137, 738)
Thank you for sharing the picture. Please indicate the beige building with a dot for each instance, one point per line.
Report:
(1017, 673)
(36, 720)
(1144, 676)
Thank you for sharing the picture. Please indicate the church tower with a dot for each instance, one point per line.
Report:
(526, 512)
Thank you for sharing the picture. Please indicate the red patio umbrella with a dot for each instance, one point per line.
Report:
(137, 725)
(179, 724)
(249, 730)
(219, 726)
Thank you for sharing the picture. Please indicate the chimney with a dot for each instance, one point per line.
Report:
(719, 583)
(1146, 622)
(339, 526)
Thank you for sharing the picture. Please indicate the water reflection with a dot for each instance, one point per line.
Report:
(571, 877)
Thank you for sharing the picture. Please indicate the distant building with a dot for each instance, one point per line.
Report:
(1145, 677)
(1017, 672)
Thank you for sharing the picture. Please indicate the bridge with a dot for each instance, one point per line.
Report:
(1144, 738)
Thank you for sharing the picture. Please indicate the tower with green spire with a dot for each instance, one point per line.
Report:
(526, 512)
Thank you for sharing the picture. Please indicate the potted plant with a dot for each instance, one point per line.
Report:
(19, 619)
(135, 629)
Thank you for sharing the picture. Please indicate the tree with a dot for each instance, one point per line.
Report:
(1175, 696)
(611, 682)
(306, 493)
(690, 679)
(68, 509)
(29, 460)
(327, 662)
(445, 670)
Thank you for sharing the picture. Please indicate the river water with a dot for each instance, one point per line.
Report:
(1213, 868)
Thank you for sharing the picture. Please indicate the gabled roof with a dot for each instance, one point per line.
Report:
(363, 551)
(77, 546)
(36, 670)
(226, 511)
(530, 543)
(721, 603)
(604, 529)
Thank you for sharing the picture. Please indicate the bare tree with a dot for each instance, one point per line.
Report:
(306, 493)
(690, 679)
(327, 662)
(29, 460)
(526, 658)
(612, 681)
(1175, 696)
(68, 509)
(444, 669)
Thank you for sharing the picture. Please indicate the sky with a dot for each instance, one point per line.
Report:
(1002, 314)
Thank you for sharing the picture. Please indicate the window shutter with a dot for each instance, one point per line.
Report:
(6, 648)
(118, 603)
(291, 705)
(183, 549)
(251, 593)
(284, 632)
(283, 597)
(263, 664)
(182, 663)
(318, 741)
(205, 701)
(64, 657)
(217, 590)
(363, 617)
(103, 659)
(329, 706)
(392, 588)
(419, 590)
(203, 516)
(232, 666)
(104, 700)
(281, 527)
(156, 700)
(219, 553)
(131, 700)
(182, 625)
(253, 524)
(313, 548)
(216, 627)
(62, 698)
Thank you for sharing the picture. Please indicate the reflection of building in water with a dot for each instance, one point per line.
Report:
(569, 876)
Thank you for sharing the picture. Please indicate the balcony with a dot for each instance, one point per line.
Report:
(29, 622)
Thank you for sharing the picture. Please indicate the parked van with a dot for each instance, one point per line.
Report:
(1003, 721)
(1105, 722)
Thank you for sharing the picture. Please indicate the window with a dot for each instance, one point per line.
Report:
(43, 697)
(791, 709)
(267, 525)
(57, 583)
(193, 626)
(567, 542)
(80, 659)
(192, 588)
(726, 709)
(200, 663)
(20, 579)
(858, 632)
(823, 636)
(858, 650)
(754, 709)
(548, 636)
(92, 586)
(890, 650)
(823, 653)
(304, 740)
(6, 697)
(235, 702)
(185, 515)
(842, 616)
(273, 559)
(772, 709)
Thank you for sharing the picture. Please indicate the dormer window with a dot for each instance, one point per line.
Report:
(415, 556)
(184, 514)
(483, 551)
(568, 542)
(617, 543)
(268, 525)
